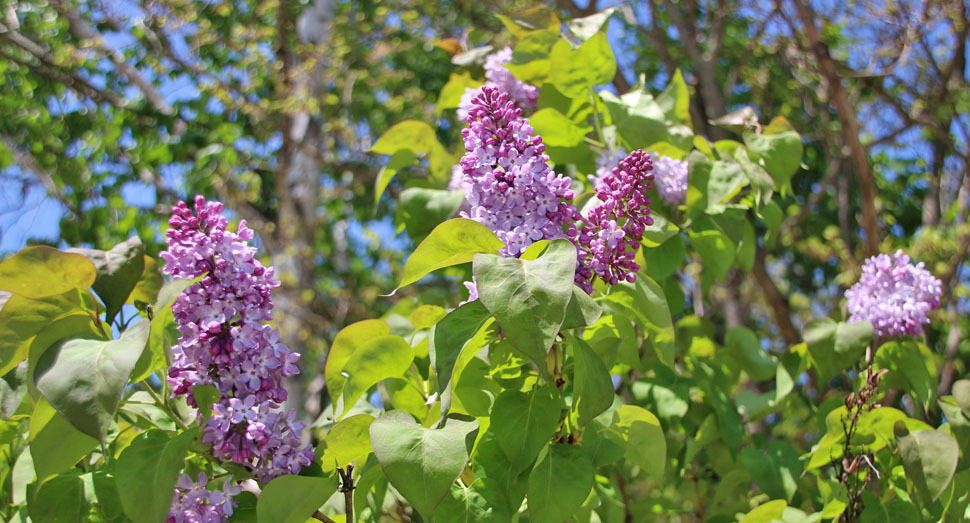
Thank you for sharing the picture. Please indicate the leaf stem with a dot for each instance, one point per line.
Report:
(162, 405)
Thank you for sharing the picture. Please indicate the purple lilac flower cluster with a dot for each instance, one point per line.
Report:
(670, 176)
(194, 503)
(508, 183)
(225, 343)
(894, 295)
(499, 77)
(608, 237)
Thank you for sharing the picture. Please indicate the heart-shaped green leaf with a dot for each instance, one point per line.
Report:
(523, 422)
(451, 243)
(422, 463)
(83, 379)
(41, 271)
(147, 471)
(377, 359)
(118, 271)
(528, 298)
(929, 458)
(559, 483)
(293, 499)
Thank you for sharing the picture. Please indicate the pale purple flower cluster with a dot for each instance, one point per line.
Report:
(608, 237)
(605, 163)
(894, 295)
(194, 503)
(498, 76)
(670, 176)
(225, 343)
(508, 183)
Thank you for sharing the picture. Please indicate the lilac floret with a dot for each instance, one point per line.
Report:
(894, 295)
(226, 344)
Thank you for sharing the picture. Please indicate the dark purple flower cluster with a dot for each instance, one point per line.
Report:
(194, 503)
(225, 343)
(507, 180)
(608, 237)
(894, 295)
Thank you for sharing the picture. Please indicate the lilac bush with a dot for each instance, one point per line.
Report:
(894, 295)
(226, 344)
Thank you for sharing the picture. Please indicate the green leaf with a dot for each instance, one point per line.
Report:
(575, 71)
(781, 153)
(348, 340)
(766, 513)
(55, 444)
(421, 209)
(601, 445)
(21, 319)
(293, 499)
(834, 498)
(961, 393)
(582, 310)
(502, 486)
(147, 470)
(557, 130)
(739, 121)
(118, 272)
(59, 499)
(640, 121)
(530, 57)
(526, 21)
(929, 458)
(587, 26)
(465, 505)
(419, 138)
(449, 336)
(451, 243)
(675, 100)
(775, 470)
(41, 271)
(347, 441)
(559, 483)
(149, 284)
(528, 298)
(699, 168)
(422, 463)
(83, 379)
(451, 93)
(162, 333)
(377, 359)
(907, 362)
(644, 302)
(744, 346)
(13, 388)
(835, 347)
(426, 316)
(646, 446)
(664, 260)
(523, 423)
(593, 387)
(205, 396)
(399, 160)
(717, 251)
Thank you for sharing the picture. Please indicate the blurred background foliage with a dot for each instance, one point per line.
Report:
(112, 111)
